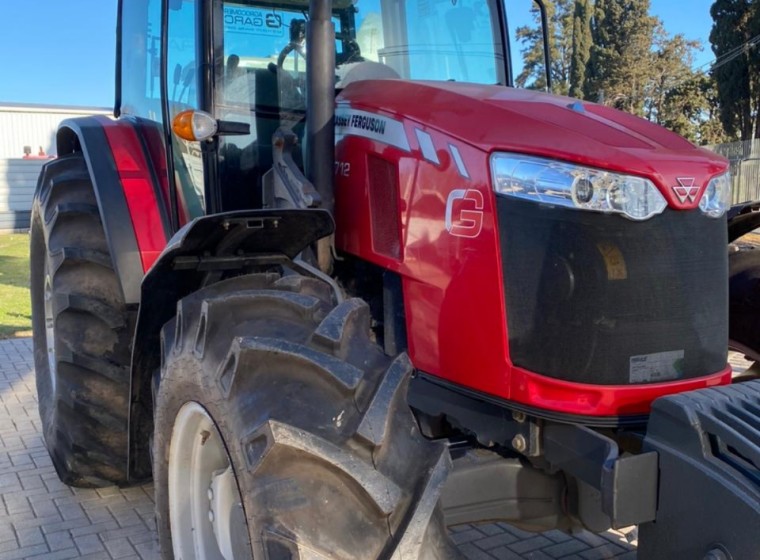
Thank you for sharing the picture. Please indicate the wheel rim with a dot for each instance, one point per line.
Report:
(50, 330)
(204, 502)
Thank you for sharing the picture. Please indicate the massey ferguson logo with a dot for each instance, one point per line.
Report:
(686, 190)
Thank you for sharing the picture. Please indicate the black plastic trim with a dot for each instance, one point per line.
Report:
(435, 396)
(114, 211)
(547, 52)
(394, 319)
(501, 14)
(204, 21)
(117, 84)
(627, 484)
(166, 113)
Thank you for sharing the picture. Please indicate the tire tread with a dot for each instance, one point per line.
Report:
(85, 419)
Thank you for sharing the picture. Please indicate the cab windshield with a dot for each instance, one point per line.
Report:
(448, 40)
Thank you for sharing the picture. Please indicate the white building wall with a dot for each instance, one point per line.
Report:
(18, 179)
(33, 126)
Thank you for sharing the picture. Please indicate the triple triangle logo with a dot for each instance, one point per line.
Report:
(686, 190)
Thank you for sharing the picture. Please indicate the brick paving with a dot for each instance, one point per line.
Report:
(43, 519)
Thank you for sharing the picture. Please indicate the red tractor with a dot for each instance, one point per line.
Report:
(335, 285)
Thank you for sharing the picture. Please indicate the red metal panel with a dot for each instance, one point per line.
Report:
(495, 118)
(600, 400)
(137, 183)
(450, 260)
(451, 279)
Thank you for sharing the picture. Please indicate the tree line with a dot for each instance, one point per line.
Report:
(616, 53)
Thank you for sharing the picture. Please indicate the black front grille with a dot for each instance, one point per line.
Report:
(596, 298)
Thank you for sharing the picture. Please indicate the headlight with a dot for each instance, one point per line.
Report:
(717, 196)
(575, 186)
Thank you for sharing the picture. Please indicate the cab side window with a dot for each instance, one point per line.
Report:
(140, 59)
(182, 91)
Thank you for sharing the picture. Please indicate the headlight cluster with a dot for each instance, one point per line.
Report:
(717, 196)
(585, 188)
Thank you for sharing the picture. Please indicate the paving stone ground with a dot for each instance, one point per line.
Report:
(43, 519)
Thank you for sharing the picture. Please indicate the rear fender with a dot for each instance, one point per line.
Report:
(127, 190)
(744, 281)
(201, 253)
(742, 219)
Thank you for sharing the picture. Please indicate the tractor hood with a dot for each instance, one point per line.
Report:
(496, 118)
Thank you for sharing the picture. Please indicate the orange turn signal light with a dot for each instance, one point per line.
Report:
(194, 125)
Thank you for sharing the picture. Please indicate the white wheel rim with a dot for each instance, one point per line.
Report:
(202, 488)
(50, 331)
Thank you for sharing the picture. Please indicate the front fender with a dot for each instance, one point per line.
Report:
(197, 255)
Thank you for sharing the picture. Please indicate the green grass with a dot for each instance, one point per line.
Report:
(15, 305)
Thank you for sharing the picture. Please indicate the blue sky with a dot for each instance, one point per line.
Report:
(62, 52)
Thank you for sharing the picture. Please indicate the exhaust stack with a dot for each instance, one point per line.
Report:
(320, 100)
(320, 113)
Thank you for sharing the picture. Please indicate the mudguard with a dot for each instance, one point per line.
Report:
(199, 254)
(744, 301)
(742, 219)
(708, 443)
(744, 281)
(127, 188)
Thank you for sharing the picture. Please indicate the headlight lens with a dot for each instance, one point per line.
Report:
(575, 186)
(717, 196)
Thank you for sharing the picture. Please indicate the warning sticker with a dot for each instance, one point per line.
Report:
(661, 366)
(613, 260)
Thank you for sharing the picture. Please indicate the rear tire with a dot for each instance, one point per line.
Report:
(313, 418)
(82, 330)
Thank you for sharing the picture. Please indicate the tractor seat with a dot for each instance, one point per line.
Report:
(366, 70)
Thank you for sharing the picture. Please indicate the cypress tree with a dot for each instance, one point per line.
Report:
(581, 49)
(620, 58)
(559, 15)
(735, 25)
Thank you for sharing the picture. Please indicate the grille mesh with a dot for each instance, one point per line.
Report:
(600, 299)
(384, 207)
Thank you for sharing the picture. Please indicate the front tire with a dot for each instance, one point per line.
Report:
(82, 330)
(310, 418)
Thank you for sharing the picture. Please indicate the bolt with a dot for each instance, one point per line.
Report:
(518, 416)
(211, 516)
(210, 494)
(518, 442)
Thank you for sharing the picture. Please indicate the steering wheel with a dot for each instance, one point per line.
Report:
(292, 47)
(292, 84)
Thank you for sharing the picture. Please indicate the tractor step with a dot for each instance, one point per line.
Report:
(708, 443)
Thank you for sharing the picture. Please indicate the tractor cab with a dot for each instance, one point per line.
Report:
(245, 63)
